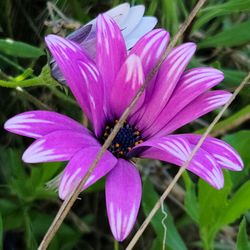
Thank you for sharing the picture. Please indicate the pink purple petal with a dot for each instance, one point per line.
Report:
(177, 149)
(127, 83)
(166, 81)
(82, 77)
(202, 105)
(192, 84)
(78, 167)
(36, 124)
(60, 145)
(123, 197)
(111, 52)
(224, 154)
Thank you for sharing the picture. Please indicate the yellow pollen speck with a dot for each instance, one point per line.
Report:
(129, 148)
(121, 152)
(117, 145)
(105, 134)
(137, 132)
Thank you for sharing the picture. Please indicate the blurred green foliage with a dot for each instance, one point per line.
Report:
(203, 218)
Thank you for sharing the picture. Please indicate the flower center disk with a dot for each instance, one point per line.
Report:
(124, 141)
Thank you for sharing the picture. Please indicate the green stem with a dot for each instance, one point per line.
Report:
(36, 81)
(116, 245)
(44, 78)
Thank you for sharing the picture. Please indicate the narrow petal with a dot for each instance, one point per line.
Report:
(77, 36)
(192, 84)
(176, 149)
(167, 78)
(60, 145)
(202, 105)
(111, 51)
(119, 13)
(82, 77)
(223, 153)
(146, 24)
(133, 18)
(149, 49)
(128, 81)
(36, 124)
(123, 198)
(78, 167)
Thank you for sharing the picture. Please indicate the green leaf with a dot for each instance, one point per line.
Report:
(242, 238)
(149, 198)
(238, 205)
(234, 36)
(190, 202)
(212, 205)
(171, 15)
(233, 77)
(19, 49)
(240, 141)
(218, 10)
(226, 124)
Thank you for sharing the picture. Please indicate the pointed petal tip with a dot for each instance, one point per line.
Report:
(191, 46)
(8, 124)
(139, 8)
(51, 38)
(123, 196)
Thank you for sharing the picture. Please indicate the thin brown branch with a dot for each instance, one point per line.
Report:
(231, 126)
(69, 201)
(184, 166)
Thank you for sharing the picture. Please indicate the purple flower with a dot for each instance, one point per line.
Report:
(103, 89)
(131, 22)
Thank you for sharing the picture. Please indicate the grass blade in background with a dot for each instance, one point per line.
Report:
(19, 49)
(215, 11)
(242, 238)
(234, 36)
(174, 240)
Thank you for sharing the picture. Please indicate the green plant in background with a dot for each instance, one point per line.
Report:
(200, 218)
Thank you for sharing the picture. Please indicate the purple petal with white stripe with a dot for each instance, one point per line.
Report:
(60, 145)
(123, 197)
(82, 77)
(36, 124)
(192, 84)
(176, 149)
(224, 154)
(128, 81)
(167, 78)
(111, 51)
(202, 105)
(78, 167)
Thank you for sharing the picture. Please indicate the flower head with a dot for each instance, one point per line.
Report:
(103, 89)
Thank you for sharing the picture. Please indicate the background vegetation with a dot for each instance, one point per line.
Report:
(199, 217)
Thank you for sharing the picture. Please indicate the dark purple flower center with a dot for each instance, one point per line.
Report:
(125, 140)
